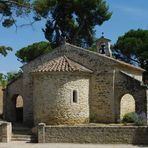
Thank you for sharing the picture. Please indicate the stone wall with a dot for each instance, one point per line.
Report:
(147, 102)
(1, 100)
(124, 84)
(53, 98)
(5, 131)
(10, 94)
(28, 97)
(101, 98)
(93, 134)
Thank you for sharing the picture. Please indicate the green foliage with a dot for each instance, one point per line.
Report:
(1, 76)
(74, 19)
(132, 47)
(9, 10)
(8, 22)
(31, 52)
(2, 80)
(10, 76)
(3, 83)
(4, 50)
(131, 117)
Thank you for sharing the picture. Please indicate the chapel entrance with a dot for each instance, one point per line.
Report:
(18, 108)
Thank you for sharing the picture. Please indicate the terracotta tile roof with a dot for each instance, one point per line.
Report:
(61, 64)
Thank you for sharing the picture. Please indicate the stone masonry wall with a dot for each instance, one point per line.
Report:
(11, 93)
(53, 98)
(93, 134)
(147, 102)
(1, 100)
(101, 98)
(5, 131)
(28, 96)
(125, 84)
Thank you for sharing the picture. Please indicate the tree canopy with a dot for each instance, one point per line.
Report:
(3, 81)
(10, 10)
(133, 48)
(30, 52)
(10, 76)
(4, 50)
(75, 19)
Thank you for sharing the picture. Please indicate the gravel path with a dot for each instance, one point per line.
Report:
(55, 145)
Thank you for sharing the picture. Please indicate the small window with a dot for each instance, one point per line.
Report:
(75, 96)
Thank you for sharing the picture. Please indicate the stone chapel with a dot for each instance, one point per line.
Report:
(73, 85)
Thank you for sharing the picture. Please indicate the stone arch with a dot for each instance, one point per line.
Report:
(127, 104)
(17, 108)
(125, 84)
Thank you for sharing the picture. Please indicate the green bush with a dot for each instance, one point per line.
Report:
(131, 117)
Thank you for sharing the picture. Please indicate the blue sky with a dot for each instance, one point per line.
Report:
(127, 14)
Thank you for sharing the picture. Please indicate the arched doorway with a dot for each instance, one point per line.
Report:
(18, 108)
(127, 105)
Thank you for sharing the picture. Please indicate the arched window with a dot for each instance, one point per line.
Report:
(127, 105)
(102, 49)
(75, 96)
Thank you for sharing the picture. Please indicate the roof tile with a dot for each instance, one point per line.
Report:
(61, 64)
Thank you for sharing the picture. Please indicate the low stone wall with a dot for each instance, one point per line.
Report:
(1, 100)
(93, 134)
(5, 131)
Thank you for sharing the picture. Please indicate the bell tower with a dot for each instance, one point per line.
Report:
(103, 46)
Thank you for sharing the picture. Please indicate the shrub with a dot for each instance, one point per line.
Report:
(131, 117)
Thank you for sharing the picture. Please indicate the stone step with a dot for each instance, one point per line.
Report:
(22, 133)
(24, 137)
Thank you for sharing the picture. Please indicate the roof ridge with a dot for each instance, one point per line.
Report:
(61, 63)
(69, 62)
(115, 60)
